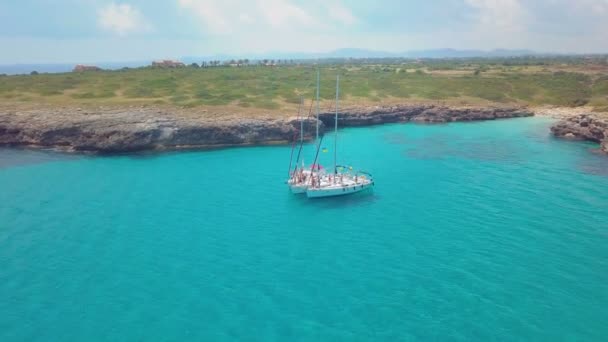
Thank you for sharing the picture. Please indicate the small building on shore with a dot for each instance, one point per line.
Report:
(168, 63)
(83, 68)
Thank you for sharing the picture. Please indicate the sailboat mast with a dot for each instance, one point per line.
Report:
(302, 132)
(318, 81)
(336, 125)
(301, 119)
(294, 142)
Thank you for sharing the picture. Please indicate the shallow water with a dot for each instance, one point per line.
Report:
(474, 231)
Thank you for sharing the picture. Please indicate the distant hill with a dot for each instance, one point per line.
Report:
(365, 53)
(339, 53)
(452, 53)
(15, 69)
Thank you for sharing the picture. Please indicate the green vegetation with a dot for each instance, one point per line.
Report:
(533, 81)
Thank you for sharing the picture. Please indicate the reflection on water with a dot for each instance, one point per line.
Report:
(538, 134)
(215, 247)
(503, 151)
(595, 164)
(451, 146)
(10, 157)
(395, 138)
(354, 200)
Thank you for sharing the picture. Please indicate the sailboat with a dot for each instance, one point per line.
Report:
(343, 181)
(301, 177)
(298, 178)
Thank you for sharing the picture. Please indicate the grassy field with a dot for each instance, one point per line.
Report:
(461, 82)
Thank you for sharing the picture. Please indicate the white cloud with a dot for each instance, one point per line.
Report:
(213, 13)
(595, 7)
(543, 25)
(499, 24)
(122, 19)
(222, 17)
(338, 12)
(279, 13)
(500, 15)
(246, 18)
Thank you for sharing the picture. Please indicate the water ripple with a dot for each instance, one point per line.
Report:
(483, 231)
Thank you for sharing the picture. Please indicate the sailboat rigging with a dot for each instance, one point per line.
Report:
(314, 181)
(301, 179)
(341, 182)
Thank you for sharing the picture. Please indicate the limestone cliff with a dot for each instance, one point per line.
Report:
(139, 129)
(590, 127)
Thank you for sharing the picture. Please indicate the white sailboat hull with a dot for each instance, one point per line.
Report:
(298, 188)
(337, 190)
(315, 182)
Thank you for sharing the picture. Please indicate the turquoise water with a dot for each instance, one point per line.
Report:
(474, 231)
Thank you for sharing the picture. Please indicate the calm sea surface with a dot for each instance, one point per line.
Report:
(474, 231)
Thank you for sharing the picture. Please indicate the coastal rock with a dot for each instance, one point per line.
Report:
(420, 114)
(589, 127)
(581, 127)
(130, 131)
(140, 129)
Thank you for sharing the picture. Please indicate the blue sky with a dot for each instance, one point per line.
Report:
(56, 31)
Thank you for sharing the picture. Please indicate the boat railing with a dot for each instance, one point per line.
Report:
(364, 173)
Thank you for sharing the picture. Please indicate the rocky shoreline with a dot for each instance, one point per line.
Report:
(145, 129)
(589, 127)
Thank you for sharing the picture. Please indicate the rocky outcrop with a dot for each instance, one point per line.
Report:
(420, 114)
(139, 129)
(588, 127)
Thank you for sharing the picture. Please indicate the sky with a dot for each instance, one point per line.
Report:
(85, 31)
